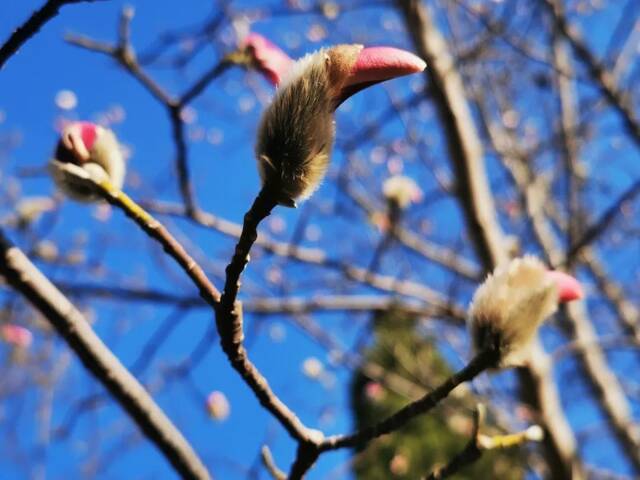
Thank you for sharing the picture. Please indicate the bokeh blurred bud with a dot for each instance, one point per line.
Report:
(401, 191)
(399, 465)
(16, 335)
(374, 391)
(29, 209)
(312, 368)
(218, 406)
(534, 433)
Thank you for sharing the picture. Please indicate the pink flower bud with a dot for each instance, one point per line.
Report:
(93, 148)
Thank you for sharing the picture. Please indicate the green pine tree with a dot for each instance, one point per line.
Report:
(431, 439)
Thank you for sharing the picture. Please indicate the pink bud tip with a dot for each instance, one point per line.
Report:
(568, 287)
(86, 131)
(268, 58)
(375, 64)
(16, 335)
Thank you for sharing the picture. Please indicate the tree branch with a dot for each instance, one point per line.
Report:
(99, 360)
(316, 256)
(229, 320)
(27, 30)
(466, 155)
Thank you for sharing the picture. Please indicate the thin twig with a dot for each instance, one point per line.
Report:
(229, 320)
(478, 443)
(124, 53)
(317, 256)
(270, 465)
(151, 227)
(477, 365)
(470, 454)
(27, 30)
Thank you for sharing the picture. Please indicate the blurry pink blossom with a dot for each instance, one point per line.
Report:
(218, 406)
(277, 224)
(16, 335)
(399, 465)
(189, 115)
(102, 212)
(395, 165)
(374, 391)
(330, 10)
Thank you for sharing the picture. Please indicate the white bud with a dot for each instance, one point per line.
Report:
(534, 433)
(508, 308)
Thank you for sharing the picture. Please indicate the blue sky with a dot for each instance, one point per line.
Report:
(225, 180)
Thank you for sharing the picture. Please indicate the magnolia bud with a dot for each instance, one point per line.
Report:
(296, 133)
(93, 148)
(511, 304)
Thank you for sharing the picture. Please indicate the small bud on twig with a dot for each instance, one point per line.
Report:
(511, 304)
(94, 149)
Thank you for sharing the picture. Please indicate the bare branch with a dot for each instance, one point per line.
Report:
(601, 225)
(602, 77)
(124, 53)
(470, 454)
(229, 320)
(151, 227)
(98, 359)
(316, 256)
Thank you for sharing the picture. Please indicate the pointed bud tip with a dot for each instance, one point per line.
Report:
(568, 287)
(376, 64)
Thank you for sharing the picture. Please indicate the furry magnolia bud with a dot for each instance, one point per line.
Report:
(511, 304)
(296, 133)
(93, 148)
